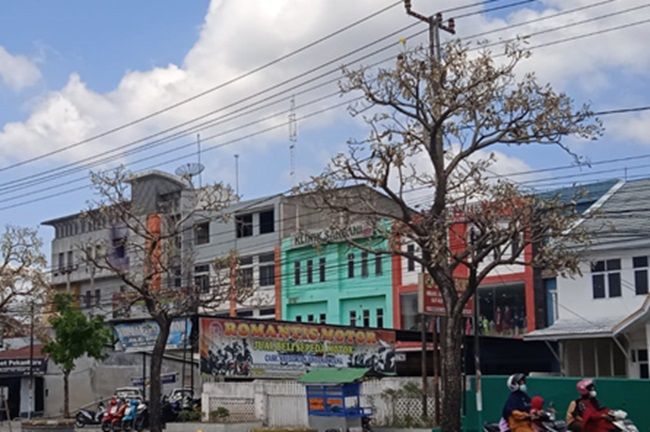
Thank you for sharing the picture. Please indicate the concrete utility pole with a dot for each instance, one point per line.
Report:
(435, 24)
(31, 363)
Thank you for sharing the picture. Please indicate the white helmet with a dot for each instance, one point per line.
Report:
(514, 380)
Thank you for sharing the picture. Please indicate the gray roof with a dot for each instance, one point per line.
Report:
(623, 218)
(577, 328)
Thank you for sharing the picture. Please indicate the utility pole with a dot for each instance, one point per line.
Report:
(435, 23)
(31, 363)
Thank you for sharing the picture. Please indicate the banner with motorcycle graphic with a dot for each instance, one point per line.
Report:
(271, 349)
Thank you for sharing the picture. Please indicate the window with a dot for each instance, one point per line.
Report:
(119, 249)
(202, 233)
(298, 318)
(364, 264)
(606, 275)
(246, 261)
(296, 273)
(321, 269)
(267, 222)
(61, 261)
(353, 318)
(246, 277)
(267, 269)
(322, 318)
(245, 314)
(70, 259)
(379, 270)
(88, 299)
(202, 277)
(366, 318)
(310, 318)
(351, 265)
(409, 317)
(640, 275)
(176, 274)
(380, 317)
(98, 297)
(411, 258)
(244, 225)
(310, 271)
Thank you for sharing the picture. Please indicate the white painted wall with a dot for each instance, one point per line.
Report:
(575, 295)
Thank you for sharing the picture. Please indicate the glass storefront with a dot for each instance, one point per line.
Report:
(502, 310)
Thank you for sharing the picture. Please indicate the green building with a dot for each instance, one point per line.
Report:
(335, 283)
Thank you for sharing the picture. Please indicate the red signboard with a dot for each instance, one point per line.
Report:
(430, 300)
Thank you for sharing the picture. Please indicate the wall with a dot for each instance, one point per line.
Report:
(575, 295)
(632, 396)
(284, 403)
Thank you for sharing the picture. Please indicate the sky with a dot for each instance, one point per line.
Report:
(73, 70)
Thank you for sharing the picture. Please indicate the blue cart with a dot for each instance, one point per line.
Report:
(333, 399)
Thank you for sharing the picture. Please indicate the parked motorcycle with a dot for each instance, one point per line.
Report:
(88, 417)
(130, 415)
(110, 414)
(142, 417)
(116, 420)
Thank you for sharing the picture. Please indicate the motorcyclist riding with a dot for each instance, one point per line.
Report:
(585, 414)
(516, 411)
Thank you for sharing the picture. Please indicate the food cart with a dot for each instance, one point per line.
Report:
(333, 399)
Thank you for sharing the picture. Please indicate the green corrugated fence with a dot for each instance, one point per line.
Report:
(629, 395)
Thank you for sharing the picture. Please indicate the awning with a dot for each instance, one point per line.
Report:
(334, 375)
(581, 328)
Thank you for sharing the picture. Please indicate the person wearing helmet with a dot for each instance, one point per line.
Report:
(517, 409)
(585, 414)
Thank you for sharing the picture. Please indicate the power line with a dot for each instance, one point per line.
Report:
(205, 92)
(17, 183)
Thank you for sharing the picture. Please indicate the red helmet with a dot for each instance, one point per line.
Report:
(537, 403)
(584, 385)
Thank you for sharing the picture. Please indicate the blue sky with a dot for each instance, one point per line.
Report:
(69, 70)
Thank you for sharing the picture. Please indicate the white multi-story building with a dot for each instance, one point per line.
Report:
(603, 315)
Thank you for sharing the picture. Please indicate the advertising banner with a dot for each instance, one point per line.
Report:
(22, 366)
(270, 349)
(141, 336)
(430, 299)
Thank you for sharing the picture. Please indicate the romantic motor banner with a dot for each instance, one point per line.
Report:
(269, 349)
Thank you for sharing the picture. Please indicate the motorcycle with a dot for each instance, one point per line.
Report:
(142, 417)
(88, 417)
(110, 414)
(544, 420)
(116, 420)
(619, 420)
(130, 415)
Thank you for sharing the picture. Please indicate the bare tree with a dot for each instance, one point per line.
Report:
(433, 127)
(22, 274)
(150, 254)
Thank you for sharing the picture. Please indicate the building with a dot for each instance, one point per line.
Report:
(603, 314)
(336, 283)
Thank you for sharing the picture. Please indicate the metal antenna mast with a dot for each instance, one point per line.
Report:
(293, 137)
(237, 174)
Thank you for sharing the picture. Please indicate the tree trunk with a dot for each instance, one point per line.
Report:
(66, 394)
(155, 407)
(450, 347)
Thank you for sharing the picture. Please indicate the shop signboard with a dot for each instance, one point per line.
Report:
(272, 349)
(169, 378)
(22, 366)
(430, 300)
(141, 336)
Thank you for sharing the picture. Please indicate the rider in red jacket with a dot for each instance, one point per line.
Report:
(595, 418)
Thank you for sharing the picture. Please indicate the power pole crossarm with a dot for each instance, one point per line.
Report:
(436, 24)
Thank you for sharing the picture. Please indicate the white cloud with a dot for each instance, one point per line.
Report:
(235, 39)
(17, 71)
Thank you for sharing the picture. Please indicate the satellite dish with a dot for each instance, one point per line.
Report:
(189, 170)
